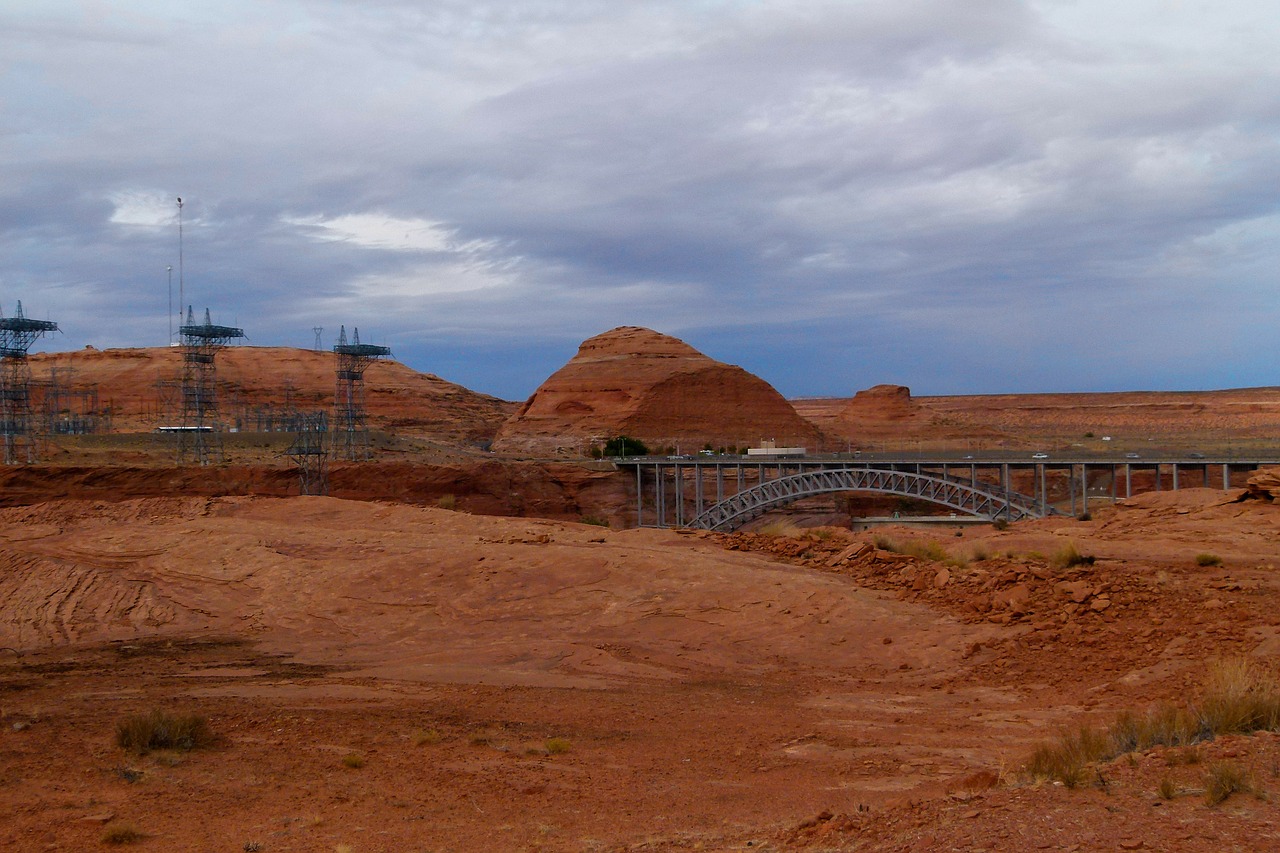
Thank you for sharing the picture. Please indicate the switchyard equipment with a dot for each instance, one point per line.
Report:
(198, 437)
(17, 334)
(351, 432)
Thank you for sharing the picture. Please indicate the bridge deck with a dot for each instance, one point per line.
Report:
(679, 490)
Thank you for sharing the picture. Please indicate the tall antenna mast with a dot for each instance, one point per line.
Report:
(181, 297)
(170, 270)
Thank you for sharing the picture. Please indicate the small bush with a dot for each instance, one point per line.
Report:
(1085, 516)
(121, 833)
(1187, 755)
(1208, 560)
(1167, 789)
(1224, 779)
(884, 543)
(597, 520)
(158, 729)
(780, 527)
(557, 745)
(422, 737)
(1239, 697)
(447, 502)
(1000, 524)
(1068, 555)
(979, 553)
(353, 760)
(625, 445)
(1066, 760)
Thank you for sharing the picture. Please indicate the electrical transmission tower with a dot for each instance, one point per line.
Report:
(351, 433)
(200, 343)
(310, 452)
(318, 330)
(17, 334)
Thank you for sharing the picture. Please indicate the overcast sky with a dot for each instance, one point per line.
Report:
(962, 196)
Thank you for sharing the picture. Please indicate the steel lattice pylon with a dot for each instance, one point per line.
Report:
(17, 334)
(351, 432)
(310, 452)
(197, 438)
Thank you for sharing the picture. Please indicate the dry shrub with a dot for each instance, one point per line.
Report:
(1069, 555)
(1239, 697)
(1167, 789)
(1167, 725)
(1208, 560)
(557, 745)
(157, 729)
(353, 761)
(1066, 760)
(447, 502)
(421, 737)
(121, 833)
(1187, 755)
(780, 527)
(884, 543)
(1224, 779)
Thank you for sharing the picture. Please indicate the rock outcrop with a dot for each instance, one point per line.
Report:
(638, 382)
(886, 414)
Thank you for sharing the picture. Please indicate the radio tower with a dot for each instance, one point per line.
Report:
(17, 334)
(200, 343)
(351, 433)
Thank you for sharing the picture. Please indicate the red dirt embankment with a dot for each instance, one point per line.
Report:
(550, 490)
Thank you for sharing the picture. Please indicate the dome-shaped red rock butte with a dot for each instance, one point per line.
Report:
(647, 385)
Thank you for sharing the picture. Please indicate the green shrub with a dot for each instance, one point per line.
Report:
(625, 445)
(159, 729)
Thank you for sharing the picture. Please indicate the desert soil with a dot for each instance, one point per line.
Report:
(384, 677)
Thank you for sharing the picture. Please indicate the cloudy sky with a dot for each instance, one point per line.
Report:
(962, 196)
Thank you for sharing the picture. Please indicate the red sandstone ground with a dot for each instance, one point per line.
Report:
(794, 691)
(713, 691)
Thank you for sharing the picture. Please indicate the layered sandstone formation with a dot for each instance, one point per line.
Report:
(138, 387)
(637, 382)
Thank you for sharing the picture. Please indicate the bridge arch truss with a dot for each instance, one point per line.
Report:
(751, 503)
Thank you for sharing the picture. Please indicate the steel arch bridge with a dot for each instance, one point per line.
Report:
(737, 510)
